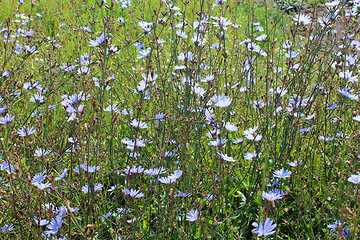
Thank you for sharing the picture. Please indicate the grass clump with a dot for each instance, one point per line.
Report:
(178, 120)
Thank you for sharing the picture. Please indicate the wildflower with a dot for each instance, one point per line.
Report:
(332, 107)
(133, 193)
(345, 232)
(181, 67)
(302, 19)
(89, 169)
(222, 101)
(198, 39)
(354, 179)
(258, 104)
(146, 26)
(133, 170)
(42, 186)
(273, 194)
(181, 34)
(38, 178)
(155, 171)
(113, 188)
(38, 181)
(86, 189)
(259, 28)
(161, 41)
(332, 4)
(98, 187)
(7, 119)
(189, 56)
(166, 180)
(131, 145)
(251, 137)
(123, 211)
(159, 116)
(73, 99)
(84, 70)
(348, 93)
(294, 164)
(226, 157)
(216, 46)
(62, 175)
(264, 229)
(237, 141)
(305, 130)
(192, 215)
(222, 23)
(180, 194)
(333, 226)
(23, 132)
(54, 225)
(7, 228)
(106, 216)
(199, 91)
(261, 38)
(41, 152)
(132, 220)
(347, 75)
(8, 167)
(138, 124)
(177, 174)
(253, 47)
(326, 139)
(2, 110)
(251, 155)
(208, 78)
(324, 21)
(209, 197)
(67, 68)
(291, 54)
(143, 53)
(230, 127)
(98, 41)
(356, 118)
(125, 3)
(282, 173)
(112, 108)
(31, 49)
(18, 49)
(219, 2)
(250, 131)
(41, 222)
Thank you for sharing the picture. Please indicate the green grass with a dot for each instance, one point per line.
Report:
(317, 193)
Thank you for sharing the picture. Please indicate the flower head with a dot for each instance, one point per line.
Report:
(23, 132)
(302, 19)
(98, 41)
(54, 225)
(264, 229)
(222, 101)
(62, 176)
(226, 157)
(192, 215)
(133, 193)
(273, 195)
(354, 179)
(282, 173)
(7, 228)
(143, 53)
(7, 119)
